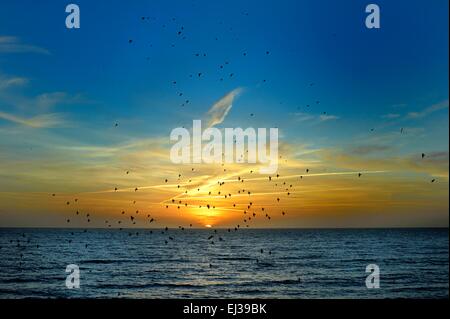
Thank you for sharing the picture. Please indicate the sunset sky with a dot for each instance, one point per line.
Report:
(346, 100)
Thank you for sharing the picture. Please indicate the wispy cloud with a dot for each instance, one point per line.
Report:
(48, 100)
(11, 44)
(326, 117)
(427, 111)
(220, 109)
(304, 117)
(41, 103)
(12, 81)
(40, 121)
(434, 165)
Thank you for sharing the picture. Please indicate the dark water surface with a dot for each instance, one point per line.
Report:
(294, 263)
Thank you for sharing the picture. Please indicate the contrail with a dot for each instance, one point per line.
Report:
(227, 179)
(265, 178)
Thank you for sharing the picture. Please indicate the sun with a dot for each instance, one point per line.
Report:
(208, 226)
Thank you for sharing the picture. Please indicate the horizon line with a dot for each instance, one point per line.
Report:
(226, 228)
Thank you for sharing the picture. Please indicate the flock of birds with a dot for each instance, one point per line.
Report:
(250, 209)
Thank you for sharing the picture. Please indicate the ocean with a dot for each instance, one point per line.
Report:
(250, 263)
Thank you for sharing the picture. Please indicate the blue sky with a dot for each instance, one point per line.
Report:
(356, 70)
(381, 80)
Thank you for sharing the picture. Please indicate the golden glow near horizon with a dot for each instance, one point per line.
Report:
(65, 183)
(85, 135)
(235, 195)
(136, 185)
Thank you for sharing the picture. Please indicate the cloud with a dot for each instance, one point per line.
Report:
(427, 111)
(220, 109)
(11, 44)
(14, 81)
(48, 100)
(302, 117)
(41, 103)
(435, 165)
(40, 121)
(324, 117)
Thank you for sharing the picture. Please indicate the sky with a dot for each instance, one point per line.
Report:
(86, 114)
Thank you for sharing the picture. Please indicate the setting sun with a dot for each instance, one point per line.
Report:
(224, 149)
